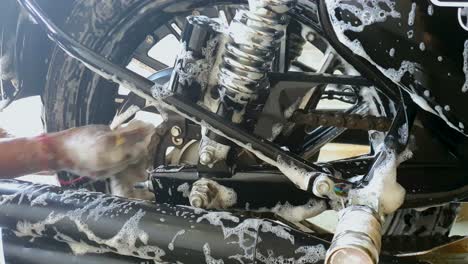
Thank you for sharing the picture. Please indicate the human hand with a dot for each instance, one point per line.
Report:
(97, 151)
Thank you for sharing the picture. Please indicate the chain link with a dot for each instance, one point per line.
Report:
(340, 119)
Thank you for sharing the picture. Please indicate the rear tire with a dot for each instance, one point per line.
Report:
(75, 96)
(70, 87)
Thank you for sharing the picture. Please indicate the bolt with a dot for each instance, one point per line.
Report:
(196, 201)
(146, 185)
(310, 37)
(176, 131)
(177, 141)
(149, 39)
(206, 157)
(322, 186)
(199, 195)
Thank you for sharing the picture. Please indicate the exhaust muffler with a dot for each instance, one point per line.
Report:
(91, 223)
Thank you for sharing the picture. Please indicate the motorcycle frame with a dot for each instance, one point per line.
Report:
(45, 201)
(191, 111)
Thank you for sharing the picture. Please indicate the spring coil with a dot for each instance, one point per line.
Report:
(254, 36)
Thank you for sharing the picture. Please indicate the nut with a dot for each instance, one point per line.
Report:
(199, 195)
(206, 157)
(196, 201)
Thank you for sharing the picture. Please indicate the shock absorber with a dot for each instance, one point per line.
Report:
(254, 37)
(255, 34)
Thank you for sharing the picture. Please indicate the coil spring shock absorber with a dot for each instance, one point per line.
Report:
(255, 35)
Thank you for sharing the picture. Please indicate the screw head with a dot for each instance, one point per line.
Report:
(176, 131)
(149, 39)
(310, 37)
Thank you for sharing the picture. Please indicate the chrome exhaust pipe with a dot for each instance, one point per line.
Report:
(357, 238)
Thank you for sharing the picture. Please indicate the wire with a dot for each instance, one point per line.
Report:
(71, 182)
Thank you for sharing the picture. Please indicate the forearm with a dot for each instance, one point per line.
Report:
(29, 155)
(89, 151)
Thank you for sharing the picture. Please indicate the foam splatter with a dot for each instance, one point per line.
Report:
(171, 245)
(412, 15)
(430, 10)
(296, 213)
(465, 67)
(245, 231)
(422, 46)
(130, 240)
(184, 188)
(311, 254)
(208, 258)
(383, 192)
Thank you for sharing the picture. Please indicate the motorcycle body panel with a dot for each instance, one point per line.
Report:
(418, 46)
